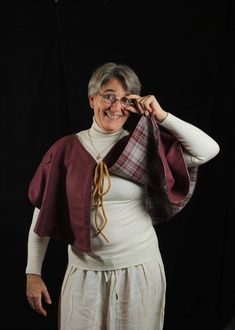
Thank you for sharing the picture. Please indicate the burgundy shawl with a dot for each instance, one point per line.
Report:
(61, 186)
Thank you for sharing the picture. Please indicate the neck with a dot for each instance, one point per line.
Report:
(96, 131)
(100, 141)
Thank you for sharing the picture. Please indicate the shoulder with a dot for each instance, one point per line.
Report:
(59, 147)
(63, 142)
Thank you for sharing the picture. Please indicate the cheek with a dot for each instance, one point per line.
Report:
(98, 112)
(101, 113)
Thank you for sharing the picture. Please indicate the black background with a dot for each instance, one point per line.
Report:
(183, 53)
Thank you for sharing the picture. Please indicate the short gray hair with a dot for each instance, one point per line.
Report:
(111, 70)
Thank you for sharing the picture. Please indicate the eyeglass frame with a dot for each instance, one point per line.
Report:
(130, 101)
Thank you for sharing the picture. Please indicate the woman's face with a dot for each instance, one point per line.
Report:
(109, 112)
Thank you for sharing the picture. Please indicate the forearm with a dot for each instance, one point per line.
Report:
(198, 147)
(37, 247)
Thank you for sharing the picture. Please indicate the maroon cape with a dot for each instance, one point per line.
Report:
(61, 186)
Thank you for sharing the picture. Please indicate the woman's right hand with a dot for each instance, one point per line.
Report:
(36, 291)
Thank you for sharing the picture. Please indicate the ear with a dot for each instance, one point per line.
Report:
(91, 101)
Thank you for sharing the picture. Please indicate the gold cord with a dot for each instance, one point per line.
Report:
(98, 193)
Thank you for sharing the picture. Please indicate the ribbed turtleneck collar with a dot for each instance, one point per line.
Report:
(97, 132)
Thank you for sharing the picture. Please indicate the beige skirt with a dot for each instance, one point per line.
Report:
(126, 299)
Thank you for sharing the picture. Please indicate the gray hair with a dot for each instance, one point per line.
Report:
(111, 70)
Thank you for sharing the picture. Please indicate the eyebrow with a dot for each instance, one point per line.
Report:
(113, 92)
(108, 90)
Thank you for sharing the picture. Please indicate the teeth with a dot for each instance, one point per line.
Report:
(113, 116)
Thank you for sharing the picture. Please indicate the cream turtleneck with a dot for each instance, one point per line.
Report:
(97, 141)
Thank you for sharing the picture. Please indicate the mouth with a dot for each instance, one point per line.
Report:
(113, 115)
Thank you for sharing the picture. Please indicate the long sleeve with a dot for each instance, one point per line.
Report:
(37, 247)
(198, 147)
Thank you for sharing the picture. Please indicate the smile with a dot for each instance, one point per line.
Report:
(113, 116)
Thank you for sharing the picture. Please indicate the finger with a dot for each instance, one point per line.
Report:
(146, 112)
(39, 308)
(143, 104)
(132, 109)
(146, 103)
(47, 297)
(139, 106)
(31, 304)
(132, 106)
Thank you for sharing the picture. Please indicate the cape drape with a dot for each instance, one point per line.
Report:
(149, 155)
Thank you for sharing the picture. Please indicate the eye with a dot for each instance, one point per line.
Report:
(109, 97)
(125, 101)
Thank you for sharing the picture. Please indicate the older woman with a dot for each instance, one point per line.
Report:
(101, 190)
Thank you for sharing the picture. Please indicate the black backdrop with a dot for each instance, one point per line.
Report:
(182, 52)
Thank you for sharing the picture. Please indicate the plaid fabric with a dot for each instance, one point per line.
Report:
(154, 158)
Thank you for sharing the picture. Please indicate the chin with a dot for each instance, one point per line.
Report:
(112, 126)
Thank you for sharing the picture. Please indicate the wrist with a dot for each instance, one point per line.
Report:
(160, 117)
(32, 275)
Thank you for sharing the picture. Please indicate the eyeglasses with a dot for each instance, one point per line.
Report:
(111, 99)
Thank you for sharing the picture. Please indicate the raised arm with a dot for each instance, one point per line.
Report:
(198, 147)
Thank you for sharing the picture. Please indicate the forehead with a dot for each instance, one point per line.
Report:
(114, 85)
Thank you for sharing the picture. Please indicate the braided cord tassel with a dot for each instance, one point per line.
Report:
(98, 193)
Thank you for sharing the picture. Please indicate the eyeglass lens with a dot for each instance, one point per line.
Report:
(111, 99)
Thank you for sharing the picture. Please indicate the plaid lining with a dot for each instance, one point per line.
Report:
(149, 160)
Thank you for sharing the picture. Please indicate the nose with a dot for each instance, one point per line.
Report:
(117, 105)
